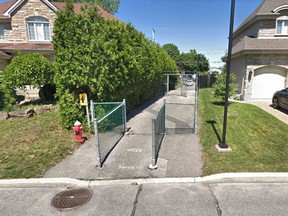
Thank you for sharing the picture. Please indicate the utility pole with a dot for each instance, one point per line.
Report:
(223, 143)
(153, 35)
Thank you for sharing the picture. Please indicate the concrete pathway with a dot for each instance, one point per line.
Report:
(180, 154)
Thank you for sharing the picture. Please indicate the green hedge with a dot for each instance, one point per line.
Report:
(25, 69)
(109, 60)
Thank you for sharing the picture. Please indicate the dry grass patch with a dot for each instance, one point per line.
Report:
(30, 146)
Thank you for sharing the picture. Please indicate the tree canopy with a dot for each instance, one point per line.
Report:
(173, 51)
(110, 6)
(108, 60)
(187, 62)
(193, 62)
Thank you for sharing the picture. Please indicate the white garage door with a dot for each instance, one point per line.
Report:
(266, 81)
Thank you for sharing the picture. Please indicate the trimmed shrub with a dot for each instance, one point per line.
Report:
(108, 60)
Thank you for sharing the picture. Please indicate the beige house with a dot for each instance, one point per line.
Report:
(27, 25)
(260, 51)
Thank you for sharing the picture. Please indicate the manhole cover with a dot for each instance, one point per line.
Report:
(71, 198)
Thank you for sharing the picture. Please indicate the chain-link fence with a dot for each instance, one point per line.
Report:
(109, 122)
(158, 133)
(196, 105)
(175, 117)
(183, 85)
(180, 118)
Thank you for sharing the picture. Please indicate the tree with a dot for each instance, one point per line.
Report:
(109, 59)
(26, 69)
(110, 6)
(193, 62)
(202, 63)
(173, 51)
(220, 86)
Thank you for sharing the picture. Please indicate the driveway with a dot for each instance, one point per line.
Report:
(281, 114)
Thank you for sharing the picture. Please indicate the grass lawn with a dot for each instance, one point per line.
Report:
(29, 146)
(259, 141)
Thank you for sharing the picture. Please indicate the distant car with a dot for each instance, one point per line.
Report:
(189, 82)
(280, 99)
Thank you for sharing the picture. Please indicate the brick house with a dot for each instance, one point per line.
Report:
(27, 25)
(260, 51)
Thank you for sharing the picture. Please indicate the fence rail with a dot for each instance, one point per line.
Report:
(109, 123)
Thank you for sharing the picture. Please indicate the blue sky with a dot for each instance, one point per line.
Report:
(202, 25)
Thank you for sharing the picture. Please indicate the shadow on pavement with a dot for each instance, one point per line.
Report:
(143, 106)
(280, 109)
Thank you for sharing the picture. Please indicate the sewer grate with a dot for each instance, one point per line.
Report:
(71, 198)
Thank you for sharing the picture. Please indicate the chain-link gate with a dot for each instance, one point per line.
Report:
(109, 122)
(181, 115)
(183, 83)
(186, 82)
(158, 133)
(179, 118)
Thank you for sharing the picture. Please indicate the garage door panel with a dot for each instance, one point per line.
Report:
(266, 82)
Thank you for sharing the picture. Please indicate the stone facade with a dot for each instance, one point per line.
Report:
(18, 31)
(262, 59)
(267, 29)
(252, 31)
(246, 71)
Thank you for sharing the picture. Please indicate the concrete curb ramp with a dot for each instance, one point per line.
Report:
(217, 178)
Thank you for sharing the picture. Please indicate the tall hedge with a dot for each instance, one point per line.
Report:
(109, 60)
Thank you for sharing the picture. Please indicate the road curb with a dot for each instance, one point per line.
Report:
(252, 177)
(216, 178)
(43, 182)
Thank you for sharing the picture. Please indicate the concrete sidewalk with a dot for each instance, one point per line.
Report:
(223, 194)
(179, 156)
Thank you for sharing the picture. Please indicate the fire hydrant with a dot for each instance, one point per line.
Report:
(78, 131)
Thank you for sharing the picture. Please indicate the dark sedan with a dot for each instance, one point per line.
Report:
(280, 99)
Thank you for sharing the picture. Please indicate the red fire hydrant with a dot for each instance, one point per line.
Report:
(78, 131)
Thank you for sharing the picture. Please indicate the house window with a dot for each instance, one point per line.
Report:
(38, 29)
(282, 27)
(1, 32)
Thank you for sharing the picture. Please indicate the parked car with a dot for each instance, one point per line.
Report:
(189, 82)
(280, 99)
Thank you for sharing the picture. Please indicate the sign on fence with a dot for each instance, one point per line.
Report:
(83, 99)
